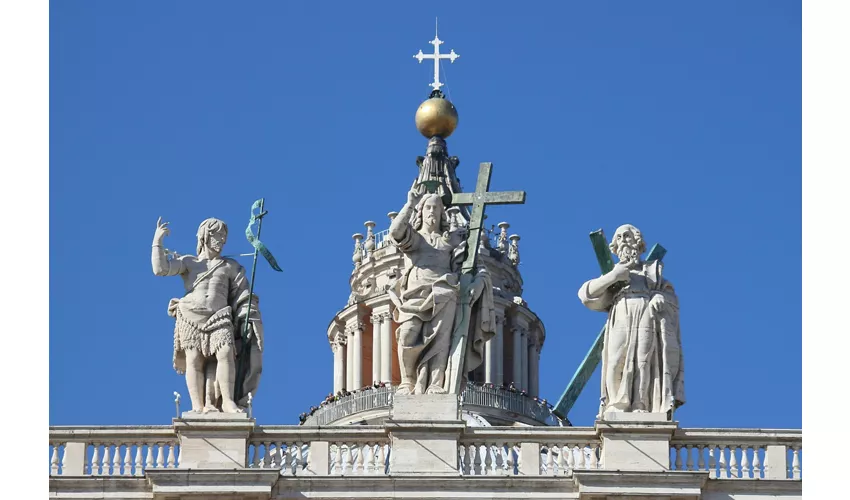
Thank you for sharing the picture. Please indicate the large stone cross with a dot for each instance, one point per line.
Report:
(478, 199)
(594, 355)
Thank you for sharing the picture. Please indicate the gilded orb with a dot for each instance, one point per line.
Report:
(436, 117)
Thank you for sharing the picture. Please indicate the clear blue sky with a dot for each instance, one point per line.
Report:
(682, 118)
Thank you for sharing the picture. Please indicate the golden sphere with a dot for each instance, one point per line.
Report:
(436, 117)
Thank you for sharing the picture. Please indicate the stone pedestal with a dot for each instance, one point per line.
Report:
(424, 430)
(635, 441)
(213, 440)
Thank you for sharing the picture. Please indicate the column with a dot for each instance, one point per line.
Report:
(386, 348)
(376, 347)
(489, 358)
(339, 364)
(349, 360)
(357, 347)
(533, 367)
(499, 351)
(517, 356)
(524, 356)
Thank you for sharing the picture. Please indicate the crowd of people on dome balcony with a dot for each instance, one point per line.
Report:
(332, 398)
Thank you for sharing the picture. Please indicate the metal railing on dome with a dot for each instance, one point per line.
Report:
(370, 399)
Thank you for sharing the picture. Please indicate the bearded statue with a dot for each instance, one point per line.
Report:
(642, 365)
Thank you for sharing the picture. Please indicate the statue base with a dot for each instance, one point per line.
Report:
(213, 440)
(636, 441)
(424, 430)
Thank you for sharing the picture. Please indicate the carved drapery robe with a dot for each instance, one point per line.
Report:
(428, 291)
(642, 363)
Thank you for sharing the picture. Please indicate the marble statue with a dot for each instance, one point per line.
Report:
(426, 295)
(209, 319)
(642, 365)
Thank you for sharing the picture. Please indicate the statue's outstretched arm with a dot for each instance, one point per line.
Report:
(159, 259)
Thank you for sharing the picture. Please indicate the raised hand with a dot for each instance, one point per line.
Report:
(161, 232)
(414, 195)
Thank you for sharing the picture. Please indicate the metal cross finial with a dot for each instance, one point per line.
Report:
(436, 56)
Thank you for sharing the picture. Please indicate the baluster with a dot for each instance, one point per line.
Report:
(160, 456)
(468, 457)
(105, 463)
(795, 462)
(116, 460)
(700, 458)
(488, 460)
(267, 455)
(279, 456)
(370, 458)
(500, 459)
(476, 462)
(689, 457)
(756, 462)
(561, 461)
(138, 461)
(127, 466)
(150, 457)
(299, 457)
(512, 462)
(571, 459)
(594, 456)
(557, 463)
(549, 466)
(678, 462)
(723, 470)
(733, 461)
(582, 460)
(171, 459)
(349, 460)
(54, 460)
(291, 455)
(712, 463)
(95, 460)
(745, 462)
(360, 460)
(335, 458)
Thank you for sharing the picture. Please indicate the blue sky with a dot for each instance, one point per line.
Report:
(680, 118)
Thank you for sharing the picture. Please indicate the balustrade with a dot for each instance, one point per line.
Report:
(738, 453)
(112, 451)
(735, 454)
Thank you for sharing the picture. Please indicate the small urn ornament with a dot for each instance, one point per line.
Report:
(358, 249)
(370, 237)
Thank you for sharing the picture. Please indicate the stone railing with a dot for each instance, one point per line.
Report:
(530, 451)
(474, 395)
(112, 450)
(738, 453)
(724, 454)
(336, 451)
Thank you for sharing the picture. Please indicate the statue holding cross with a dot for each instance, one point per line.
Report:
(443, 302)
(642, 365)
